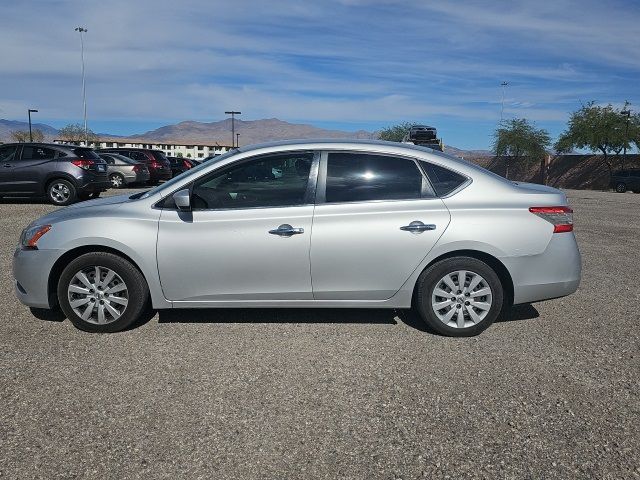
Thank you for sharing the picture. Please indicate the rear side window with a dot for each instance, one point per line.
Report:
(139, 156)
(38, 153)
(86, 153)
(7, 153)
(160, 156)
(444, 181)
(361, 177)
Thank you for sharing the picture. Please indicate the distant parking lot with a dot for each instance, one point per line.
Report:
(550, 392)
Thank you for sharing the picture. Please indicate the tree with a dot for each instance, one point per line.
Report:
(74, 133)
(23, 135)
(395, 133)
(600, 129)
(518, 140)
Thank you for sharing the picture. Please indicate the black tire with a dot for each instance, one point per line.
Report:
(117, 180)
(621, 187)
(61, 192)
(429, 280)
(138, 291)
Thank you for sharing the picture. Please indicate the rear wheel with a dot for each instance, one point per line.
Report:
(102, 292)
(117, 180)
(621, 187)
(61, 192)
(459, 296)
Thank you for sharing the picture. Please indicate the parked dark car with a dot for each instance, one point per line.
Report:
(156, 161)
(180, 165)
(624, 180)
(61, 173)
(123, 171)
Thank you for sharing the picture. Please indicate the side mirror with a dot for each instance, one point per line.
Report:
(183, 200)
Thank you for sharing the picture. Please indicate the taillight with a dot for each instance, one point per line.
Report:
(186, 164)
(82, 163)
(155, 164)
(136, 168)
(560, 217)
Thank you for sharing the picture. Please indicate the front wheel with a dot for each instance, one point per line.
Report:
(459, 296)
(102, 292)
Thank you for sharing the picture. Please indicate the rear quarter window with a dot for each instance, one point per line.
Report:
(444, 181)
(86, 153)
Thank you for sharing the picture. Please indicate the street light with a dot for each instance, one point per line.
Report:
(233, 125)
(29, 112)
(504, 86)
(626, 112)
(82, 30)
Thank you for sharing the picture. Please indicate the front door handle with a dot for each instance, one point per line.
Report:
(7, 165)
(286, 230)
(418, 227)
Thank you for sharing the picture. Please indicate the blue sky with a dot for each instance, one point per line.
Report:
(347, 64)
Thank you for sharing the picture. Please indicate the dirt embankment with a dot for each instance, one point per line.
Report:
(564, 171)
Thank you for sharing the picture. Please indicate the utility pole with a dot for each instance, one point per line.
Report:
(233, 125)
(82, 30)
(504, 86)
(29, 112)
(627, 113)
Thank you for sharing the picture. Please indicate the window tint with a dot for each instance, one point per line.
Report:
(444, 181)
(7, 153)
(158, 155)
(109, 159)
(273, 181)
(86, 153)
(139, 156)
(359, 177)
(37, 153)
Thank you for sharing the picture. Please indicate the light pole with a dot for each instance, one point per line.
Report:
(504, 86)
(233, 125)
(627, 113)
(82, 30)
(237, 140)
(29, 112)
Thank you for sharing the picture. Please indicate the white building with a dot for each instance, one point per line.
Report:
(191, 150)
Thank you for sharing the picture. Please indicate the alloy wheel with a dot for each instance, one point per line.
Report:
(98, 295)
(461, 299)
(60, 193)
(116, 181)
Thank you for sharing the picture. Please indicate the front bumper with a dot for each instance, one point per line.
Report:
(31, 269)
(553, 273)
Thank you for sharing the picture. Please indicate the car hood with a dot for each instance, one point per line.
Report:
(89, 207)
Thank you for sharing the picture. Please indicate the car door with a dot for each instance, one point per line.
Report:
(247, 236)
(9, 155)
(27, 173)
(376, 218)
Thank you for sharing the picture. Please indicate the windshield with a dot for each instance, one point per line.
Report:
(169, 184)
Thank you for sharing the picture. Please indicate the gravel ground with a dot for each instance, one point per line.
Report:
(551, 392)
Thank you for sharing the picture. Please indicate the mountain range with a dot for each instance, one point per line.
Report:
(251, 131)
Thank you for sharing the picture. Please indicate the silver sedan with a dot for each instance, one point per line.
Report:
(345, 224)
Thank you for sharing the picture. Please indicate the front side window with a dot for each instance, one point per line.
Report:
(37, 153)
(271, 181)
(7, 153)
(444, 181)
(361, 177)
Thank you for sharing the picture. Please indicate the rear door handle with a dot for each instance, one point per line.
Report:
(286, 230)
(7, 165)
(418, 227)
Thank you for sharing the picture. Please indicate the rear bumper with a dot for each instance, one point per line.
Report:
(159, 175)
(553, 273)
(31, 270)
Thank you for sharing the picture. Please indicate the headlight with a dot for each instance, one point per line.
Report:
(31, 235)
